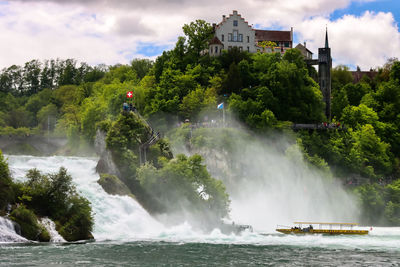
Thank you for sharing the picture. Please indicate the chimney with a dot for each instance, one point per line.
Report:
(305, 44)
(223, 17)
(234, 12)
(291, 37)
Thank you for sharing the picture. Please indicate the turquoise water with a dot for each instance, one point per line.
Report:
(126, 235)
(142, 253)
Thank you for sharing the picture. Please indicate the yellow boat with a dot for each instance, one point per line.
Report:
(323, 228)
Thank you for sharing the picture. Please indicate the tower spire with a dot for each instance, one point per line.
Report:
(326, 38)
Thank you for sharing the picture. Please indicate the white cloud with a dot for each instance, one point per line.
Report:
(367, 41)
(102, 31)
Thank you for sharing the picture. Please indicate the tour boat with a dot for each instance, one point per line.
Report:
(323, 228)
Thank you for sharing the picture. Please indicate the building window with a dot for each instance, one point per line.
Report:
(248, 39)
(230, 37)
(235, 36)
(216, 49)
(240, 37)
(248, 49)
(240, 48)
(235, 23)
(229, 48)
(286, 44)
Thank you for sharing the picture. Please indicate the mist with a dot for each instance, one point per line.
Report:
(268, 180)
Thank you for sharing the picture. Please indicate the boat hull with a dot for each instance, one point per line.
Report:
(323, 231)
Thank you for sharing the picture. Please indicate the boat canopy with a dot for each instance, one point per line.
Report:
(349, 224)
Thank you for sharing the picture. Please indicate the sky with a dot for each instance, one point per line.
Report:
(361, 32)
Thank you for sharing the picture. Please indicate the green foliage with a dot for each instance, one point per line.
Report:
(196, 101)
(373, 203)
(355, 92)
(369, 152)
(54, 195)
(46, 117)
(127, 132)
(380, 204)
(6, 190)
(392, 213)
(233, 81)
(198, 34)
(354, 116)
(340, 77)
(141, 67)
(91, 114)
(339, 103)
(77, 224)
(30, 227)
(184, 184)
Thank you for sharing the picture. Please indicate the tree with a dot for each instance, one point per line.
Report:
(192, 104)
(372, 201)
(198, 34)
(339, 103)
(67, 72)
(233, 81)
(370, 153)
(47, 117)
(340, 77)
(184, 186)
(355, 116)
(355, 92)
(32, 71)
(141, 67)
(6, 189)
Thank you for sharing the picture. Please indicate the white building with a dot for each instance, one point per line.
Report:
(235, 31)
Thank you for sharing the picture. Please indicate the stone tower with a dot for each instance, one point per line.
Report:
(324, 74)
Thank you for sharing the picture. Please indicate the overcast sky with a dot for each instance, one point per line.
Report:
(361, 32)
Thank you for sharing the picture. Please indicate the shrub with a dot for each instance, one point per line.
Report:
(30, 228)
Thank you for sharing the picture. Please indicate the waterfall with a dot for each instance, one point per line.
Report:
(51, 228)
(115, 217)
(8, 231)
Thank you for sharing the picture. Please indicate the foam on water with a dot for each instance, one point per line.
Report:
(8, 233)
(51, 228)
(122, 219)
(116, 217)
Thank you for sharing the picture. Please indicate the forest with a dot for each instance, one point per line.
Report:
(266, 93)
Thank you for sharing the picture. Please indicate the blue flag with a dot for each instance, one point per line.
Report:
(220, 106)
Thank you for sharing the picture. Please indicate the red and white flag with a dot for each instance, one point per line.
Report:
(129, 94)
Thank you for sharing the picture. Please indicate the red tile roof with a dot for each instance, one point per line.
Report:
(265, 35)
(357, 75)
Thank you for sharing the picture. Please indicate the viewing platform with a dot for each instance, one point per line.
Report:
(318, 126)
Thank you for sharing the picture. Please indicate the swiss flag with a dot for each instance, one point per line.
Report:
(129, 94)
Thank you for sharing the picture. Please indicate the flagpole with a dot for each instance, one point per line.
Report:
(223, 114)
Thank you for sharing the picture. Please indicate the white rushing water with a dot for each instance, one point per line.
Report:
(116, 217)
(121, 218)
(8, 233)
(51, 228)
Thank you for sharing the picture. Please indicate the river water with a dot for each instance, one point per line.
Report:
(126, 235)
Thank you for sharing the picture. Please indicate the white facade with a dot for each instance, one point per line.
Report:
(215, 50)
(234, 31)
